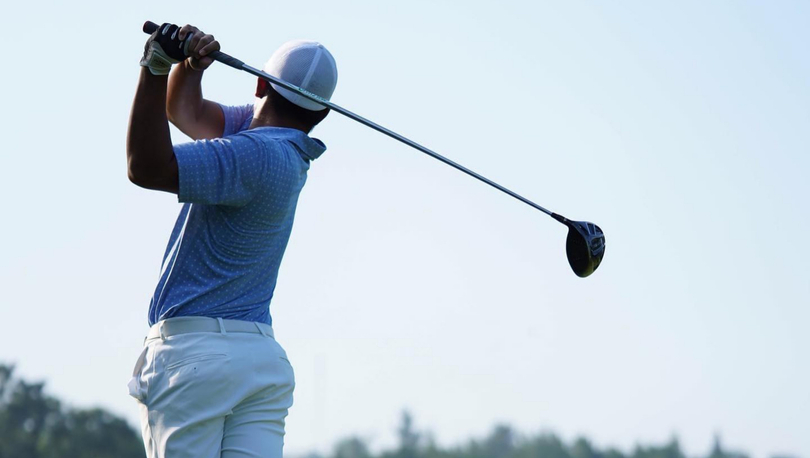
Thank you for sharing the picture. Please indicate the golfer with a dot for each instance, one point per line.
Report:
(212, 381)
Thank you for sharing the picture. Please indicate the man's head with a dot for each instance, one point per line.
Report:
(306, 64)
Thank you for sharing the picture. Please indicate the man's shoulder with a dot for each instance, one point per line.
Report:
(271, 147)
(237, 118)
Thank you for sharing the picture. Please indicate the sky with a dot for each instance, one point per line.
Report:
(681, 128)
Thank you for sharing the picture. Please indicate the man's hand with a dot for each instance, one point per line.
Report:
(197, 46)
(163, 49)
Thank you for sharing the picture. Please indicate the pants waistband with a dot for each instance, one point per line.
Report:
(188, 324)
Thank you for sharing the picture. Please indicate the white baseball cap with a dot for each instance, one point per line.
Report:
(308, 65)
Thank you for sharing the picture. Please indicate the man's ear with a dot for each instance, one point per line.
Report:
(261, 88)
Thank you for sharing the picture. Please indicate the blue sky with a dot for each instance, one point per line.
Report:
(680, 128)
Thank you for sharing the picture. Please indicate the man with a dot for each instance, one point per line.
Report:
(211, 380)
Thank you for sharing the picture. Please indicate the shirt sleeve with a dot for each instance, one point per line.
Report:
(222, 171)
(237, 118)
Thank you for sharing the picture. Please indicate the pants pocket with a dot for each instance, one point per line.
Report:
(136, 385)
(194, 359)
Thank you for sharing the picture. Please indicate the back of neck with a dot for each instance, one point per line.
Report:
(264, 116)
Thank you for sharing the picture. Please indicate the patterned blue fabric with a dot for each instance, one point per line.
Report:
(240, 193)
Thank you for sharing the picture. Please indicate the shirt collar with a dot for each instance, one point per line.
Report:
(310, 147)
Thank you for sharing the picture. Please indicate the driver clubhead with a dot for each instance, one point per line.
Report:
(585, 247)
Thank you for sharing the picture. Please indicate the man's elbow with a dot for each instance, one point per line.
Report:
(153, 177)
(133, 178)
(139, 176)
(174, 114)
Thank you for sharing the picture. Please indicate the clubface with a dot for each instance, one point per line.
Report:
(585, 247)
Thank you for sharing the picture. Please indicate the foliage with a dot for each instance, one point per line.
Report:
(504, 442)
(35, 425)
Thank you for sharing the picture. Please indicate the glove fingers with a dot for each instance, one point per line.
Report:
(187, 43)
(168, 41)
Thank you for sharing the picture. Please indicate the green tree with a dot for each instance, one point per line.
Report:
(500, 443)
(544, 445)
(409, 439)
(352, 447)
(719, 452)
(670, 450)
(35, 425)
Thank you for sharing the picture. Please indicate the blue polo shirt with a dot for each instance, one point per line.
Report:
(239, 193)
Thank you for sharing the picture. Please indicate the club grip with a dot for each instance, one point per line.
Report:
(149, 27)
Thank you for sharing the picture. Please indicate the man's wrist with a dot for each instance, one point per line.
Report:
(156, 60)
(151, 80)
(190, 67)
(187, 63)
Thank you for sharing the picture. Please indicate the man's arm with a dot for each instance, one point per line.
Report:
(151, 162)
(150, 157)
(186, 108)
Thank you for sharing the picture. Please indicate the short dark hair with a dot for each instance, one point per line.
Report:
(284, 107)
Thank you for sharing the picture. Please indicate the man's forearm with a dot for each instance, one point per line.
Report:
(194, 116)
(185, 100)
(150, 157)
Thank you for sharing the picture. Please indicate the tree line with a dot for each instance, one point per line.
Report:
(34, 424)
(505, 442)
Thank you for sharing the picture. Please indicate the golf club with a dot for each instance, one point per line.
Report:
(585, 245)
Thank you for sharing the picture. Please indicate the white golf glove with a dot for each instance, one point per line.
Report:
(163, 49)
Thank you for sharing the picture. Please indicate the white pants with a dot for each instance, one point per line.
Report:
(213, 394)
